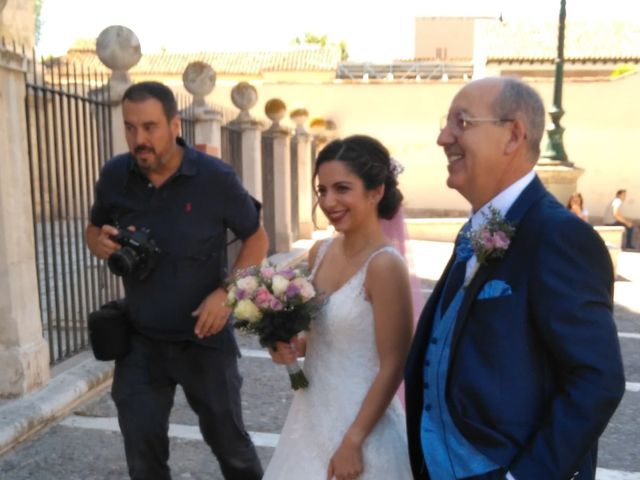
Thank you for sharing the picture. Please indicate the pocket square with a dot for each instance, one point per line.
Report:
(493, 289)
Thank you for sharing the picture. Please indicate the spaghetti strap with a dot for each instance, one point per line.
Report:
(386, 248)
(322, 250)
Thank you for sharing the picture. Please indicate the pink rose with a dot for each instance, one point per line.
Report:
(275, 304)
(487, 239)
(263, 298)
(306, 289)
(267, 272)
(266, 301)
(500, 240)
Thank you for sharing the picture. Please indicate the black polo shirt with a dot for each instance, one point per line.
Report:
(187, 217)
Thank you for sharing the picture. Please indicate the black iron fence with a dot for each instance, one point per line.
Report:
(187, 118)
(69, 137)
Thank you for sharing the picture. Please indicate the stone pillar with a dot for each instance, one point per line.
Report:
(319, 138)
(119, 49)
(18, 22)
(199, 79)
(302, 170)
(277, 178)
(24, 354)
(244, 151)
(560, 180)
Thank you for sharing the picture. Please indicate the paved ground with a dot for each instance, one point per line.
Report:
(86, 444)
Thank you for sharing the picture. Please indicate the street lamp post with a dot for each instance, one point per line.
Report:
(555, 152)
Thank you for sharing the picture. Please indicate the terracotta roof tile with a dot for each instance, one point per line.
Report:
(301, 59)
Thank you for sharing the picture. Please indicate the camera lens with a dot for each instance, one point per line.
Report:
(122, 262)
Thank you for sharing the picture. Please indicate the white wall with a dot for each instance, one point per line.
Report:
(602, 126)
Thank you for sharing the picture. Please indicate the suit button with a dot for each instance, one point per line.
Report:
(427, 363)
(434, 340)
(427, 408)
(426, 385)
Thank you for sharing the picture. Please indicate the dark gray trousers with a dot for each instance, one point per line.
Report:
(143, 390)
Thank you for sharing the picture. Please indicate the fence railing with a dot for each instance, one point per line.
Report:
(187, 120)
(69, 137)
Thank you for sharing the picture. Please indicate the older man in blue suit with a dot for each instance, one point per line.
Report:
(515, 368)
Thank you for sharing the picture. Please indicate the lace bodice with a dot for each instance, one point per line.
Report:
(342, 338)
(341, 363)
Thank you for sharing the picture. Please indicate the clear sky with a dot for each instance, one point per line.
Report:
(374, 30)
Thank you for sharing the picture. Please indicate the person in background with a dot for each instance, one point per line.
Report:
(613, 217)
(576, 205)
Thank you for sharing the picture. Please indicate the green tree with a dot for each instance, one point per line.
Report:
(322, 41)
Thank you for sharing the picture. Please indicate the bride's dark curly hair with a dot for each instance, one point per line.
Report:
(370, 161)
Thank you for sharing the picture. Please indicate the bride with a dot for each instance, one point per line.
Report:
(349, 423)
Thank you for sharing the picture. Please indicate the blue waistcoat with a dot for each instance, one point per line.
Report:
(447, 454)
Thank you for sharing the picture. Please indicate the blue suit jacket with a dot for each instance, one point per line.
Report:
(536, 374)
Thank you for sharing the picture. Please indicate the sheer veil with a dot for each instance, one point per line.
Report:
(395, 230)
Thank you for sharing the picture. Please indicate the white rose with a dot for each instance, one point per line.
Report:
(248, 284)
(231, 296)
(307, 291)
(247, 310)
(279, 285)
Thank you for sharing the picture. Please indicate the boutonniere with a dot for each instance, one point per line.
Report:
(491, 239)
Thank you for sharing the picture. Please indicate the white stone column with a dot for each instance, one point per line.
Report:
(276, 137)
(320, 136)
(24, 354)
(244, 96)
(301, 147)
(282, 189)
(119, 49)
(199, 78)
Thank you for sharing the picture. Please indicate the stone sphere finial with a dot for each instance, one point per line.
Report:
(199, 78)
(318, 126)
(275, 109)
(299, 117)
(244, 96)
(118, 48)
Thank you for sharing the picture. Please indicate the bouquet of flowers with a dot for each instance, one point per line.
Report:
(275, 304)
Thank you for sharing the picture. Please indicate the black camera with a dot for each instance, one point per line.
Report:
(138, 255)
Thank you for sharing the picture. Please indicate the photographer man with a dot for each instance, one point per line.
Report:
(183, 201)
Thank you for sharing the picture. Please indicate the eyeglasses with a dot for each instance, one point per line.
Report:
(459, 122)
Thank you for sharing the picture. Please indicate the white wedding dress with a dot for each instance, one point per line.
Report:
(341, 362)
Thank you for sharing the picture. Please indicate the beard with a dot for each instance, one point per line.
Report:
(146, 158)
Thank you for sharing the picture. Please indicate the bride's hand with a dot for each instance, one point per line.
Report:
(346, 463)
(285, 353)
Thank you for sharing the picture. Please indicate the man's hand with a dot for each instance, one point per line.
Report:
(212, 314)
(99, 240)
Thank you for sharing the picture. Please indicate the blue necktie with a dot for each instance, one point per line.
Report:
(455, 279)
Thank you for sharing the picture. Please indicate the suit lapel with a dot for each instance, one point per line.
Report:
(534, 191)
